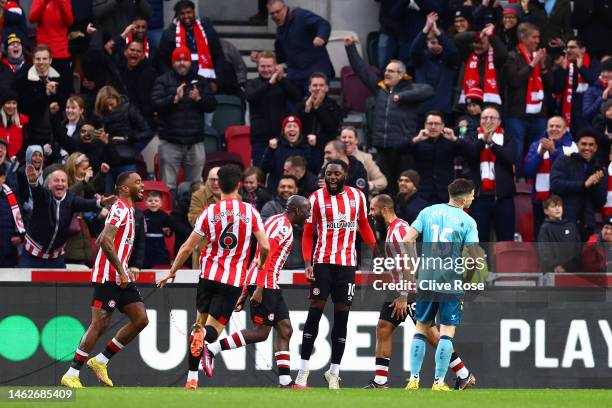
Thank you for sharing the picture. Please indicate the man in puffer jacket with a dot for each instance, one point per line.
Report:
(395, 119)
(181, 98)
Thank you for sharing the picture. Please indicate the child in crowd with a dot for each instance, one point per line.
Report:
(558, 240)
(251, 190)
(157, 226)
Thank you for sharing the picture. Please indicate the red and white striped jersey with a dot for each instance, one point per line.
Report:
(394, 243)
(121, 215)
(336, 218)
(280, 235)
(228, 225)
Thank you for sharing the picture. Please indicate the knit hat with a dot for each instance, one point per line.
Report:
(413, 176)
(607, 221)
(11, 38)
(291, 119)
(7, 95)
(181, 53)
(464, 12)
(511, 10)
(474, 95)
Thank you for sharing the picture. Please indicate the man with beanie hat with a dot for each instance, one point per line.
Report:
(13, 61)
(462, 19)
(290, 144)
(510, 21)
(181, 97)
(408, 201)
(200, 38)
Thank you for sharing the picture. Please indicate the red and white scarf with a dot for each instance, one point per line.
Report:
(145, 41)
(535, 87)
(487, 160)
(12, 200)
(568, 92)
(542, 179)
(471, 78)
(205, 64)
(606, 211)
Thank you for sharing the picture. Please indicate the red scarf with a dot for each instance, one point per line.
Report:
(471, 78)
(487, 160)
(535, 88)
(145, 41)
(542, 179)
(205, 64)
(606, 211)
(568, 92)
(12, 200)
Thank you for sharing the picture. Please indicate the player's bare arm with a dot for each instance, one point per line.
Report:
(474, 254)
(106, 241)
(264, 252)
(184, 252)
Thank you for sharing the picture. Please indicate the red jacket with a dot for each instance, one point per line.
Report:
(53, 18)
(594, 255)
(15, 136)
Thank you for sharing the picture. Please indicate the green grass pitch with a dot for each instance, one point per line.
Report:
(145, 397)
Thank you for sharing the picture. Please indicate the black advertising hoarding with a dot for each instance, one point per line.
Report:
(533, 337)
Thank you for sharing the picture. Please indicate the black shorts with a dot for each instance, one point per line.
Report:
(385, 313)
(337, 280)
(110, 296)
(217, 299)
(272, 310)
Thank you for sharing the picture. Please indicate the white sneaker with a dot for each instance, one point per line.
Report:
(302, 378)
(333, 381)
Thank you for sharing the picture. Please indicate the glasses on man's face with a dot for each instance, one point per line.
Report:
(489, 117)
(213, 179)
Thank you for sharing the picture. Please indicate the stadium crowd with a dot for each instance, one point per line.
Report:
(506, 93)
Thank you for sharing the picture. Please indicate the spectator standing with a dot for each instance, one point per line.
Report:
(34, 157)
(125, 127)
(127, 70)
(13, 125)
(112, 16)
(408, 202)
(603, 125)
(301, 37)
(377, 181)
(493, 174)
(558, 240)
(181, 98)
(573, 76)
(40, 93)
(356, 174)
(320, 115)
(10, 166)
(510, 22)
(12, 63)
(596, 253)
(290, 144)
(157, 227)
(542, 154)
(54, 207)
(83, 183)
(483, 55)
(600, 91)
(580, 181)
(268, 96)
(528, 77)
(11, 223)
(251, 190)
(307, 182)
(53, 19)
(553, 18)
(593, 19)
(73, 134)
(14, 21)
(435, 149)
(435, 59)
(395, 117)
(200, 37)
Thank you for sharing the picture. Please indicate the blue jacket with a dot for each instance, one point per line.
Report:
(592, 100)
(48, 226)
(533, 159)
(294, 46)
(435, 70)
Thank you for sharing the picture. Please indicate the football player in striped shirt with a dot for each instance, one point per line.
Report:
(114, 286)
(225, 229)
(338, 212)
(397, 307)
(268, 308)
